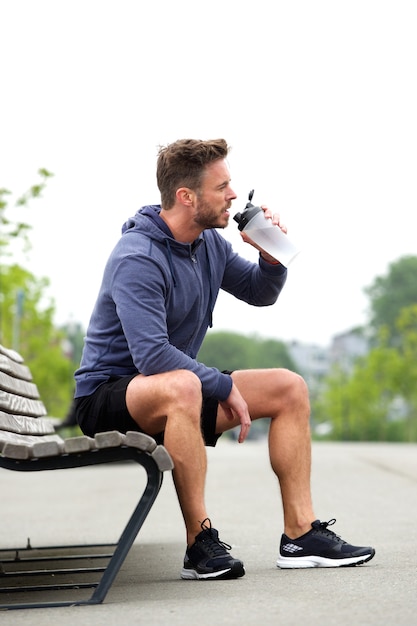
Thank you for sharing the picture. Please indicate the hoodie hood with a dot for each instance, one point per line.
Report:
(151, 212)
(149, 222)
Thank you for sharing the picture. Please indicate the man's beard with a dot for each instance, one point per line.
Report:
(206, 217)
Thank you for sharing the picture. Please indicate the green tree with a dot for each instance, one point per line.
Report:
(390, 294)
(15, 228)
(357, 405)
(226, 350)
(377, 401)
(26, 321)
(406, 381)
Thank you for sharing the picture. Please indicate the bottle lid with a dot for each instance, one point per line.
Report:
(249, 212)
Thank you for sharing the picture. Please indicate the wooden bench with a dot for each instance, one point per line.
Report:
(28, 442)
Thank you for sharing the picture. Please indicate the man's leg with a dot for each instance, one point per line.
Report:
(282, 396)
(172, 402)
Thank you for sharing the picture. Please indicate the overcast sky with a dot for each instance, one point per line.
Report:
(318, 100)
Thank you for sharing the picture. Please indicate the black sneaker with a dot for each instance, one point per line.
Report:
(321, 547)
(208, 558)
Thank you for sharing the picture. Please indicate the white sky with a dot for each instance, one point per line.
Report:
(317, 98)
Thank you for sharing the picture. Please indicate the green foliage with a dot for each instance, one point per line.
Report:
(13, 228)
(377, 401)
(26, 314)
(15, 282)
(54, 377)
(391, 293)
(232, 351)
(357, 405)
(407, 376)
(37, 339)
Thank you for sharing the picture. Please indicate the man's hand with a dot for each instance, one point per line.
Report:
(235, 406)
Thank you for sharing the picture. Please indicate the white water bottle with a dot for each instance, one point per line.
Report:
(265, 234)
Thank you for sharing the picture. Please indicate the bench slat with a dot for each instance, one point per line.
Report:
(19, 386)
(74, 445)
(26, 425)
(15, 446)
(11, 354)
(163, 459)
(19, 370)
(144, 442)
(109, 439)
(11, 403)
(140, 440)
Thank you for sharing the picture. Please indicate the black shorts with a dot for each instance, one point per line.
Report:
(106, 410)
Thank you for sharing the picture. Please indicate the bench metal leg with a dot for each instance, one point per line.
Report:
(130, 532)
(153, 485)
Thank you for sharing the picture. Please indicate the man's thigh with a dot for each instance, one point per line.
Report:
(264, 391)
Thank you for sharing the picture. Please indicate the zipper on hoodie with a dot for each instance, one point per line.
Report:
(193, 248)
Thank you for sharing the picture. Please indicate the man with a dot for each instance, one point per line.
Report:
(140, 371)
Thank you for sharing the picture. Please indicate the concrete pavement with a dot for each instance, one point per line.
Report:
(370, 488)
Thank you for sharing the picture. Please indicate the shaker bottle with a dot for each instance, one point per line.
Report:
(265, 234)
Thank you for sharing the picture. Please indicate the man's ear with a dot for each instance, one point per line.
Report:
(185, 196)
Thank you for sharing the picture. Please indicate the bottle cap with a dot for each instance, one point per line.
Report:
(249, 212)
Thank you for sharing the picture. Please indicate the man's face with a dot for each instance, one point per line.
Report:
(212, 204)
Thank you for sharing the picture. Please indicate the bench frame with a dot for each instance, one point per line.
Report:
(101, 588)
(106, 448)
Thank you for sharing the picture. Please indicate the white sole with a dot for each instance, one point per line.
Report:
(191, 574)
(318, 561)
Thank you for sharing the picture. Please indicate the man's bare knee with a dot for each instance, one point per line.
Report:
(153, 397)
(294, 394)
(185, 388)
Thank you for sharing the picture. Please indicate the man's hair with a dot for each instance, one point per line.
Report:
(182, 164)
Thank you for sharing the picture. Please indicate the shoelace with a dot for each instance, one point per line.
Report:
(323, 526)
(216, 546)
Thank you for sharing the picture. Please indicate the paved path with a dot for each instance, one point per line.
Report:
(370, 488)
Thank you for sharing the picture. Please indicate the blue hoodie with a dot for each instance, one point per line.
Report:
(156, 302)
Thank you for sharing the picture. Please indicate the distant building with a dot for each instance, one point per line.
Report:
(347, 347)
(313, 362)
